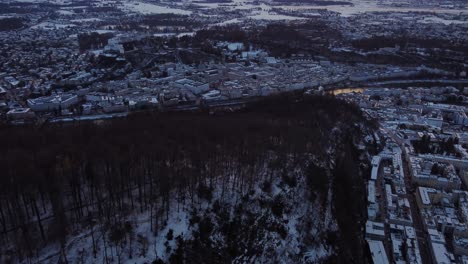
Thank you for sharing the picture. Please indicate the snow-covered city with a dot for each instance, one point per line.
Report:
(234, 131)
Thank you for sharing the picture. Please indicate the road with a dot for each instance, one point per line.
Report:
(416, 215)
(436, 81)
(411, 196)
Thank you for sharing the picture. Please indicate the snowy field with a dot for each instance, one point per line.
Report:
(359, 6)
(183, 8)
(146, 8)
(263, 11)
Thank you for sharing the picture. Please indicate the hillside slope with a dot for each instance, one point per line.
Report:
(278, 182)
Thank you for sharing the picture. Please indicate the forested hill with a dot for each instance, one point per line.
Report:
(280, 181)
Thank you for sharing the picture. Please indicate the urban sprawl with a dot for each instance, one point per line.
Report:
(105, 59)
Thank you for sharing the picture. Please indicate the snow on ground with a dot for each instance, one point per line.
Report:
(65, 12)
(363, 6)
(144, 245)
(227, 22)
(318, 253)
(273, 16)
(51, 26)
(164, 34)
(359, 6)
(93, 19)
(264, 11)
(179, 223)
(174, 34)
(79, 246)
(103, 31)
(434, 19)
(191, 34)
(58, 2)
(146, 9)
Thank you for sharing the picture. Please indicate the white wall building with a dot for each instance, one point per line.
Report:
(54, 102)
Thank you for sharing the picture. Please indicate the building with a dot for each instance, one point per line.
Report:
(113, 107)
(422, 198)
(375, 167)
(194, 86)
(437, 246)
(54, 102)
(460, 245)
(375, 230)
(434, 121)
(20, 113)
(401, 213)
(421, 173)
(405, 248)
(211, 95)
(86, 108)
(11, 81)
(460, 118)
(377, 249)
(372, 206)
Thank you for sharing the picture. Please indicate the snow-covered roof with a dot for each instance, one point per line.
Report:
(377, 249)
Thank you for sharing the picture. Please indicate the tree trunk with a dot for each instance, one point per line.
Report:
(38, 216)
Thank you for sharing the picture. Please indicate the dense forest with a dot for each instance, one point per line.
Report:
(11, 23)
(378, 42)
(314, 38)
(25, 7)
(281, 40)
(280, 180)
(93, 40)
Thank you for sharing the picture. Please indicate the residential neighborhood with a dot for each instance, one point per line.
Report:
(417, 196)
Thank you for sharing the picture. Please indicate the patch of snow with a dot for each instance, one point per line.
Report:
(318, 253)
(94, 19)
(146, 8)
